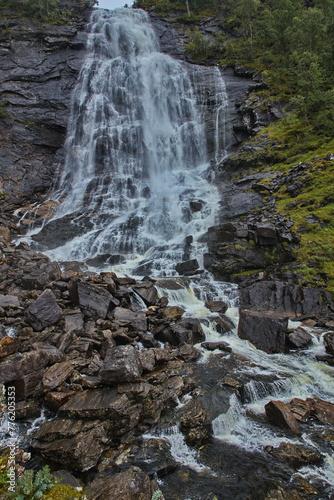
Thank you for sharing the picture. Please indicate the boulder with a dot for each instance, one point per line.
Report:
(187, 353)
(147, 359)
(27, 409)
(187, 268)
(266, 331)
(40, 278)
(188, 330)
(278, 413)
(56, 375)
(324, 411)
(302, 409)
(93, 300)
(211, 346)
(216, 306)
(132, 484)
(224, 324)
(194, 421)
(299, 338)
(75, 444)
(54, 400)
(43, 312)
(148, 294)
(296, 455)
(103, 404)
(329, 342)
(172, 313)
(121, 364)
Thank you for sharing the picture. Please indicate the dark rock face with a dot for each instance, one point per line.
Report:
(296, 455)
(265, 330)
(282, 297)
(38, 71)
(329, 342)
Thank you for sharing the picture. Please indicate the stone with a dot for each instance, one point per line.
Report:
(75, 444)
(126, 317)
(153, 456)
(56, 375)
(9, 345)
(216, 306)
(278, 413)
(121, 364)
(43, 312)
(324, 411)
(149, 295)
(74, 323)
(187, 352)
(211, 346)
(131, 484)
(299, 338)
(40, 278)
(188, 330)
(329, 342)
(296, 455)
(54, 400)
(26, 363)
(224, 324)
(194, 422)
(266, 331)
(147, 359)
(7, 301)
(103, 404)
(27, 409)
(302, 409)
(187, 268)
(172, 313)
(93, 300)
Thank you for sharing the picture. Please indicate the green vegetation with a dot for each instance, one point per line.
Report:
(46, 11)
(33, 487)
(3, 110)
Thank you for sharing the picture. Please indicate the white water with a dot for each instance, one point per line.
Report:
(136, 153)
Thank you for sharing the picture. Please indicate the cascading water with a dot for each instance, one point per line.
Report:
(135, 184)
(136, 161)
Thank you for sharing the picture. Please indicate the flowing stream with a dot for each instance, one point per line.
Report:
(137, 191)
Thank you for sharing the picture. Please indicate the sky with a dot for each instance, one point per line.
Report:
(113, 4)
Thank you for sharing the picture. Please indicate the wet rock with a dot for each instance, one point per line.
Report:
(188, 353)
(172, 313)
(295, 455)
(56, 375)
(324, 411)
(302, 409)
(194, 422)
(329, 342)
(153, 456)
(27, 409)
(279, 414)
(187, 268)
(266, 331)
(125, 317)
(216, 306)
(211, 346)
(132, 484)
(43, 312)
(188, 330)
(224, 324)
(9, 345)
(121, 364)
(149, 295)
(299, 338)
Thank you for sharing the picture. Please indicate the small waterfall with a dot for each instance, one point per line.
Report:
(137, 176)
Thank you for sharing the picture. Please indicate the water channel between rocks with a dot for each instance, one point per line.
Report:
(137, 189)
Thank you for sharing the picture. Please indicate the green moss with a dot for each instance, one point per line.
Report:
(63, 492)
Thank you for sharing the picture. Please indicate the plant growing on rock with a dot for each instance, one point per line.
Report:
(29, 487)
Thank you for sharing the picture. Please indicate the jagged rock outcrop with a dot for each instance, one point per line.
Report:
(39, 67)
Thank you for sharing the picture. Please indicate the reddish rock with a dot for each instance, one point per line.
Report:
(121, 364)
(172, 313)
(324, 411)
(295, 455)
(302, 409)
(9, 345)
(329, 342)
(278, 413)
(55, 400)
(216, 306)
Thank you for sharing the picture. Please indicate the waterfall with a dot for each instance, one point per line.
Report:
(137, 176)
